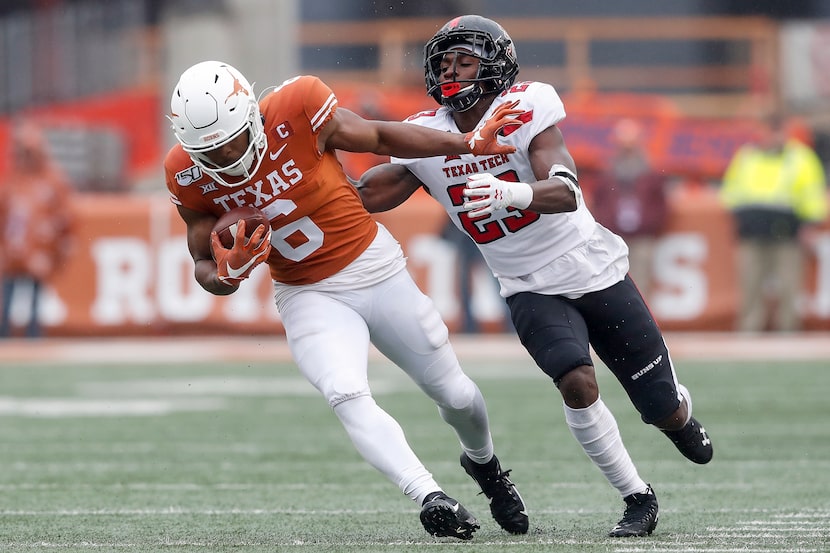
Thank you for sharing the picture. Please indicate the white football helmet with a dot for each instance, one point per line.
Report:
(212, 104)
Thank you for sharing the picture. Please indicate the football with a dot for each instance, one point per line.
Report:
(226, 225)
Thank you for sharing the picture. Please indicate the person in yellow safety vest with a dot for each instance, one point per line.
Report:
(775, 189)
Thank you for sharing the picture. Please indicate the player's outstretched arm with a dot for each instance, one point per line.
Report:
(350, 132)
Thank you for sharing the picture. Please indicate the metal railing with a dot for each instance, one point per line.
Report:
(708, 65)
(80, 49)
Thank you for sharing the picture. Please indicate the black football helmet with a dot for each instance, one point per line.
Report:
(479, 37)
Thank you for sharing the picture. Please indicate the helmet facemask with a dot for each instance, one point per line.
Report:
(242, 169)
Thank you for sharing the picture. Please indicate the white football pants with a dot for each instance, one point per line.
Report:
(329, 334)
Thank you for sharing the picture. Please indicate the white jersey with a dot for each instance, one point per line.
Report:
(560, 253)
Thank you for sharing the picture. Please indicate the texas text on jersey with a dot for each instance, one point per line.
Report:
(319, 225)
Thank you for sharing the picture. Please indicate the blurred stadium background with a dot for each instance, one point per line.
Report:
(697, 73)
(134, 428)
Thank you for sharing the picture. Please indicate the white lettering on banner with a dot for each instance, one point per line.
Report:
(123, 277)
(180, 298)
(820, 304)
(436, 256)
(440, 259)
(246, 305)
(682, 286)
(53, 310)
(129, 274)
(487, 304)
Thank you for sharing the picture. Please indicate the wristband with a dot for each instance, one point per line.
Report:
(522, 194)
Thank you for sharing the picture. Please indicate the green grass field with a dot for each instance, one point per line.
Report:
(246, 457)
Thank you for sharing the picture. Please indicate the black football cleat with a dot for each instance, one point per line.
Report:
(692, 441)
(506, 504)
(443, 516)
(640, 516)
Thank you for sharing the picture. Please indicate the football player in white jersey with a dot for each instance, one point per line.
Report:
(563, 275)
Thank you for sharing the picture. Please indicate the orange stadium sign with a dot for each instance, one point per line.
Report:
(131, 273)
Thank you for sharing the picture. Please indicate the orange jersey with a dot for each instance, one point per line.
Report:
(35, 222)
(318, 222)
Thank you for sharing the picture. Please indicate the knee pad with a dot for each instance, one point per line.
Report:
(452, 390)
(657, 403)
(558, 358)
(655, 397)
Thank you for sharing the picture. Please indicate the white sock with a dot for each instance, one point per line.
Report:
(380, 440)
(471, 425)
(595, 428)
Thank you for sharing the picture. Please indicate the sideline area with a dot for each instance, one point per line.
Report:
(692, 345)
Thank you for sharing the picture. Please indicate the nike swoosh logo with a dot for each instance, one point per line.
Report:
(236, 273)
(275, 155)
(475, 138)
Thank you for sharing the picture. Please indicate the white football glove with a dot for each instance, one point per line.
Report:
(486, 194)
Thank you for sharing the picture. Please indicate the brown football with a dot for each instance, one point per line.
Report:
(226, 224)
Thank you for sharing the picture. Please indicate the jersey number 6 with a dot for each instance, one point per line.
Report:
(304, 226)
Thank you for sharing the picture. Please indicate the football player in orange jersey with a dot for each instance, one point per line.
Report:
(340, 278)
(563, 275)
